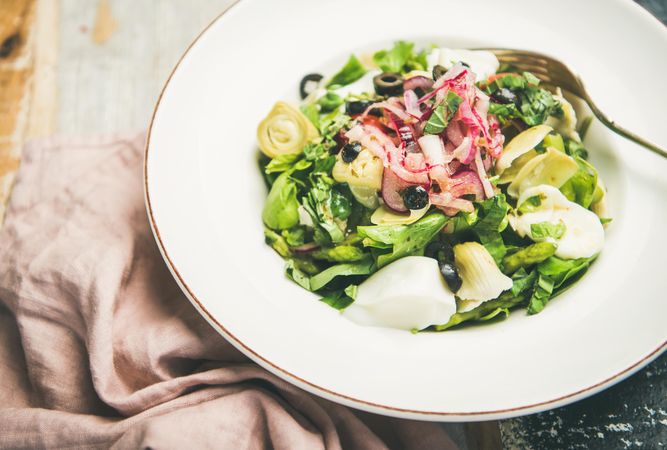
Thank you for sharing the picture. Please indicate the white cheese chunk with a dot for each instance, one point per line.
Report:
(584, 234)
(408, 294)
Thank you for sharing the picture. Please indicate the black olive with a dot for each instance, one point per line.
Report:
(465, 64)
(504, 96)
(415, 197)
(351, 151)
(438, 71)
(356, 107)
(388, 83)
(451, 275)
(309, 83)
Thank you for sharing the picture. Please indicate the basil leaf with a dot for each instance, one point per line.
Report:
(338, 300)
(494, 213)
(351, 72)
(298, 276)
(441, 116)
(545, 230)
(541, 293)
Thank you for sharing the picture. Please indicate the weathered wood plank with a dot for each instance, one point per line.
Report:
(16, 65)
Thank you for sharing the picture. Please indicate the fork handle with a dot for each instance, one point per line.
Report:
(613, 126)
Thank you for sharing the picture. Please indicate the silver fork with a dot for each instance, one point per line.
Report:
(556, 73)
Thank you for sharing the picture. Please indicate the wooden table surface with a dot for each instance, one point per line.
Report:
(83, 67)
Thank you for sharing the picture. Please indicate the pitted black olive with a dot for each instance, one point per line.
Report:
(438, 71)
(415, 197)
(308, 84)
(351, 151)
(504, 96)
(451, 276)
(388, 83)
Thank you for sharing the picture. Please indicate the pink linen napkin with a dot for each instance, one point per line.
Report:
(99, 348)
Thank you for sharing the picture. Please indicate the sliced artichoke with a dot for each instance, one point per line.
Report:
(284, 130)
(552, 167)
(365, 171)
(522, 143)
(385, 216)
(599, 205)
(368, 197)
(510, 174)
(482, 279)
(566, 125)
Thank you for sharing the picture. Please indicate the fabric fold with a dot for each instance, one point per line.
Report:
(99, 348)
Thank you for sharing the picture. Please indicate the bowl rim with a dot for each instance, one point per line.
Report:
(338, 397)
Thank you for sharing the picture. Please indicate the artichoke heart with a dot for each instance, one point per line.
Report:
(284, 130)
(552, 167)
(365, 171)
(567, 124)
(482, 279)
(385, 216)
(520, 144)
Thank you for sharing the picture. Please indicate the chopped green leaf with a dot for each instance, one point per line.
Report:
(523, 281)
(441, 116)
(506, 300)
(329, 101)
(541, 293)
(545, 230)
(277, 242)
(530, 204)
(404, 239)
(296, 274)
(351, 72)
(351, 291)
(488, 228)
(323, 278)
(338, 300)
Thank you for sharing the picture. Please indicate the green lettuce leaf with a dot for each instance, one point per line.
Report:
(401, 58)
(581, 187)
(280, 210)
(351, 72)
(506, 301)
(363, 267)
(403, 240)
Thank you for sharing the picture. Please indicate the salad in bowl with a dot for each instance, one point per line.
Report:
(422, 190)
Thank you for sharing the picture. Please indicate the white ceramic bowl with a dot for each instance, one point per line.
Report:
(204, 195)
